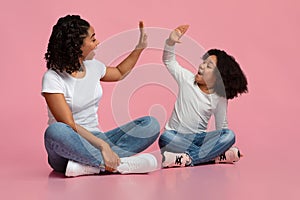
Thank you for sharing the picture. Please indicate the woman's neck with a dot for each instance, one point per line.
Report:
(80, 73)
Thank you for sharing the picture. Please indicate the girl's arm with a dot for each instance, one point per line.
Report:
(62, 113)
(176, 34)
(120, 72)
(169, 50)
(169, 57)
(221, 114)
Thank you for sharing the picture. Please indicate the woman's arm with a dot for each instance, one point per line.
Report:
(62, 113)
(120, 72)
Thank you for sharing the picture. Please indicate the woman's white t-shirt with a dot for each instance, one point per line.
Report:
(82, 94)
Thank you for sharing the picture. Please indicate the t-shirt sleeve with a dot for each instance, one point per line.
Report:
(52, 83)
(221, 114)
(103, 72)
(176, 70)
(100, 67)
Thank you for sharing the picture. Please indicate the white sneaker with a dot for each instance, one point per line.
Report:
(139, 164)
(176, 159)
(76, 169)
(230, 156)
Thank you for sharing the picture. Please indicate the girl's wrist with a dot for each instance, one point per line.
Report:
(170, 42)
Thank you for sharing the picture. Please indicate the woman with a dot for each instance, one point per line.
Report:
(185, 141)
(71, 87)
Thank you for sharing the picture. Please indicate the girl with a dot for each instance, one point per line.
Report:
(185, 141)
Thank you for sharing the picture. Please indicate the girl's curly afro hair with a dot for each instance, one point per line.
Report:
(231, 80)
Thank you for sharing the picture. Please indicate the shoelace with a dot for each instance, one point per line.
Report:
(178, 160)
(223, 156)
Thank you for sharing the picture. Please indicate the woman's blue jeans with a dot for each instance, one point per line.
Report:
(63, 143)
(201, 147)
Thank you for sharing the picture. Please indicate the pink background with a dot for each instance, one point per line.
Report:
(262, 35)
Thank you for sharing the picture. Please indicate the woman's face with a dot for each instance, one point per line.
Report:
(89, 43)
(206, 75)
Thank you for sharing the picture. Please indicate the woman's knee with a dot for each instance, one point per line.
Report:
(151, 121)
(151, 124)
(55, 130)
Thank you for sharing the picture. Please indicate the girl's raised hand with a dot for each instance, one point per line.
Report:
(176, 34)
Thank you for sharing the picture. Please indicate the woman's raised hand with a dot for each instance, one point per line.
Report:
(143, 37)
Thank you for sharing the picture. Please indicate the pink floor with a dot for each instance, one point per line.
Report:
(269, 169)
(256, 176)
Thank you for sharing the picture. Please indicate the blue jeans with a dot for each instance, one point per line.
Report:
(63, 143)
(201, 147)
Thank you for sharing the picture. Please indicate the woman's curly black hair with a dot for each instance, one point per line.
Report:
(64, 45)
(231, 81)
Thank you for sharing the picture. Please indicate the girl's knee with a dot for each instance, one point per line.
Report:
(162, 141)
(165, 138)
(230, 135)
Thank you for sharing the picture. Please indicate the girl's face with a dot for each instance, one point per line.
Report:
(206, 75)
(89, 43)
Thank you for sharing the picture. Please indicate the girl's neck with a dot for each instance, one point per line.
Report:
(205, 89)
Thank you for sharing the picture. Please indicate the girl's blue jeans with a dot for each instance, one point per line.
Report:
(201, 147)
